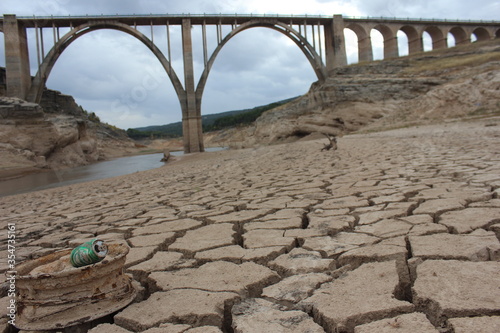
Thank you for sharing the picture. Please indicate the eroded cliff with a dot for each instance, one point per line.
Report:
(55, 134)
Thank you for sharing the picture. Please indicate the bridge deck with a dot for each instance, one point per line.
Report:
(198, 19)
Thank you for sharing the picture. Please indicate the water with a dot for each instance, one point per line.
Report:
(106, 169)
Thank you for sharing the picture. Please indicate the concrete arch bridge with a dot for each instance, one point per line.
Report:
(320, 38)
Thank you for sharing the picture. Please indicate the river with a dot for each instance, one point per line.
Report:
(106, 169)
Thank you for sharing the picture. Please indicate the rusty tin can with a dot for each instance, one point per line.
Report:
(88, 253)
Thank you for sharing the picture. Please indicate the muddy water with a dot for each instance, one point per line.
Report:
(106, 169)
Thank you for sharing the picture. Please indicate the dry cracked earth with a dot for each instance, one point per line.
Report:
(396, 231)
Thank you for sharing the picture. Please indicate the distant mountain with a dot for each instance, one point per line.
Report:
(211, 122)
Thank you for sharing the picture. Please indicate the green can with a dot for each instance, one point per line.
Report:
(88, 253)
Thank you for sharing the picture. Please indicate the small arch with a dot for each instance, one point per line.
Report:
(390, 41)
(497, 34)
(437, 36)
(414, 39)
(365, 52)
(481, 34)
(459, 35)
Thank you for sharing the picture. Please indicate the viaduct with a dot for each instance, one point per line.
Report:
(320, 38)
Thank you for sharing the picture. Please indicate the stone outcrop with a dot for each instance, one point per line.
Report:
(55, 134)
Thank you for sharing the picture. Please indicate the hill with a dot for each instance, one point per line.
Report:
(429, 87)
(211, 122)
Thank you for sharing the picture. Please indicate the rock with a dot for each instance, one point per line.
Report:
(246, 279)
(205, 238)
(300, 261)
(182, 306)
(478, 246)
(469, 219)
(257, 315)
(295, 288)
(475, 324)
(405, 323)
(450, 288)
(166, 155)
(346, 302)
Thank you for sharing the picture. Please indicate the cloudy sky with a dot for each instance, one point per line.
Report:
(116, 76)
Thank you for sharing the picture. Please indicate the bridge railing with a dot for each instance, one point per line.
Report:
(306, 16)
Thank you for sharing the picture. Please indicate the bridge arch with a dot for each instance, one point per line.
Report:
(414, 39)
(365, 51)
(390, 41)
(460, 35)
(481, 34)
(288, 31)
(38, 84)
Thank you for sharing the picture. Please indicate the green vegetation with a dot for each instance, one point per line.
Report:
(213, 122)
(240, 119)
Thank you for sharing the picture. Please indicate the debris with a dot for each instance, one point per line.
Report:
(49, 290)
(332, 144)
(88, 253)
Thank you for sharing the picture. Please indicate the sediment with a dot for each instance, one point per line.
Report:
(393, 230)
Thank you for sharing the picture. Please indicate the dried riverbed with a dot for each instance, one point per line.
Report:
(396, 229)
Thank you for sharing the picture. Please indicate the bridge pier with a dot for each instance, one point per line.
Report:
(191, 112)
(391, 49)
(17, 64)
(335, 51)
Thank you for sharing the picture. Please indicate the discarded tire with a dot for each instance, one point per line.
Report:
(52, 294)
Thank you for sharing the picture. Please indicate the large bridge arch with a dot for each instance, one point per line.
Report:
(38, 83)
(308, 50)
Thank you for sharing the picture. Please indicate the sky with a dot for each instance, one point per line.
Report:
(114, 75)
